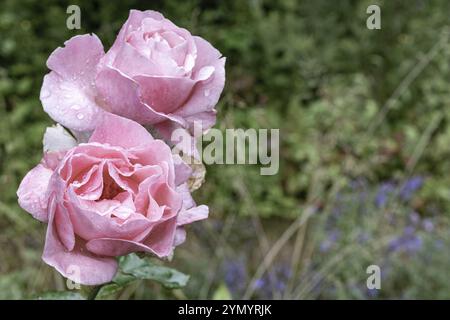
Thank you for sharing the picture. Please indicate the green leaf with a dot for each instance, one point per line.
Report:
(123, 279)
(145, 269)
(108, 291)
(61, 295)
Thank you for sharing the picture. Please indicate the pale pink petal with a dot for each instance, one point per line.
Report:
(123, 181)
(75, 166)
(180, 236)
(206, 93)
(143, 172)
(166, 196)
(126, 208)
(142, 200)
(64, 228)
(132, 63)
(52, 159)
(57, 139)
(68, 91)
(182, 170)
(161, 238)
(78, 264)
(164, 94)
(188, 201)
(192, 215)
(91, 185)
(133, 22)
(160, 241)
(120, 132)
(32, 192)
(116, 247)
(206, 53)
(157, 153)
(89, 224)
(119, 94)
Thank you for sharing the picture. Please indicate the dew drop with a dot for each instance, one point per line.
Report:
(80, 116)
(76, 107)
(206, 92)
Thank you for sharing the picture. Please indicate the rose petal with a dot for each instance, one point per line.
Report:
(120, 132)
(64, 228)
(132, 62)
(120, 96)
(32, 192)
(164, 94)
(205, 94)
(116, 247)
(68, 92)
(79, 265)
(188, 201)
(133, 22)
(89, 225)
(182, 170)
(56, 139)
(161, 238)
(160, 242)
(180, 236)
(192, 215)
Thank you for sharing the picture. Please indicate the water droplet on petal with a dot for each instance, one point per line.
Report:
(206, 93)
(76, 107)
(80, 116)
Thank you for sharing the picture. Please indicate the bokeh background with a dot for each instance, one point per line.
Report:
(364, 147)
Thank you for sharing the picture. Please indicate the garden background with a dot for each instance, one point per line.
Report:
(364, 119)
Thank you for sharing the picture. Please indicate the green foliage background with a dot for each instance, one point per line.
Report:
(351, 103)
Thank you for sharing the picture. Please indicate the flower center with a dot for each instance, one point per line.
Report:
(110, 188)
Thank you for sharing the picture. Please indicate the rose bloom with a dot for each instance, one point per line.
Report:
(155, 73)
(121, 192)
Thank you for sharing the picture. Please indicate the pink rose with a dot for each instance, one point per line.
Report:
(121, 192)
(155, 73)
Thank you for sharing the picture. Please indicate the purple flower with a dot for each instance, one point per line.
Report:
(408, 242)
(328, 243)
(273, 281)
(428, 225)
(235, 276)
(382, 197)
(260, 283)
(414, 218)
(373, 293)
(410, 187)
